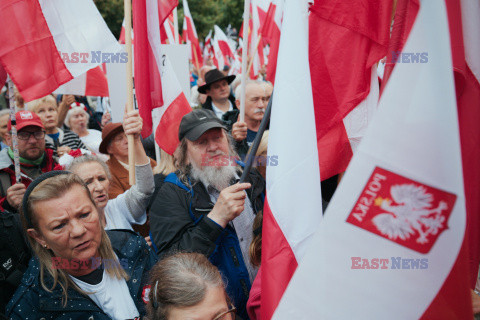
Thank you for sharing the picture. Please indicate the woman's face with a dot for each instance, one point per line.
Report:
(78, 122)
(69, 225)
(97, 181)
(48, 113)
(213, 307)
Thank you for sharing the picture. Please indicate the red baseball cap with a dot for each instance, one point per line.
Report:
(26, 118)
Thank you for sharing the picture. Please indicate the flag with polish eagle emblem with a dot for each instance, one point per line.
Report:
(394, 231)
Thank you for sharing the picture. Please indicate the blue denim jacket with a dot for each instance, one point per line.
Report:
(31, 301)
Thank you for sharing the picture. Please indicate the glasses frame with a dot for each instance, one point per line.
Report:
(19, 134)
(231, 310)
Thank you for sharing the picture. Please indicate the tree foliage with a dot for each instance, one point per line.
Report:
(112, 13)
(205, 13)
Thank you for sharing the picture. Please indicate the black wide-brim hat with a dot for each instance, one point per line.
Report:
(213, 76)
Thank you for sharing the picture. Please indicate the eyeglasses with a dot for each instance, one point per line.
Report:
(25, 135)
(227, 315)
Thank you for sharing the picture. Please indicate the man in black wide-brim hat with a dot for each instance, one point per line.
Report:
(219, 100)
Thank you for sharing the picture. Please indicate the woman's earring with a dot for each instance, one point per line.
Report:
(45, 246)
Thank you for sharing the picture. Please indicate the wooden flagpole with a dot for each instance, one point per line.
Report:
(128, 43)
(13, 111)
(196, 59)
(246, 18)
(175, 25)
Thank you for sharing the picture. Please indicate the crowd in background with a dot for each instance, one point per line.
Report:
(79, 240)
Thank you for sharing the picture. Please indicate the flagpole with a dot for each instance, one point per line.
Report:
(175, 25)
(253, 56)
(246, 18)
(256, 142)
(128, 43)
(13, 111)
(196, 58)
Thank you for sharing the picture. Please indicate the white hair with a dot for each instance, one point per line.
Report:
(238, 89)
(73, 111)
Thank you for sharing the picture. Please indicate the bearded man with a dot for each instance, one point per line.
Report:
(201, 208)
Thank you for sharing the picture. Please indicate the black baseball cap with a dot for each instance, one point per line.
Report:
(197, 122)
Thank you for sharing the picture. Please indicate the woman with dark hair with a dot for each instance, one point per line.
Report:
(79, 270)
(188, 286)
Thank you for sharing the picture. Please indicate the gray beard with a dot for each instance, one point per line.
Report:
(217, 177)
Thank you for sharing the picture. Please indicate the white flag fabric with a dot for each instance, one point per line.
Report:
(293, 206)
(395, 225)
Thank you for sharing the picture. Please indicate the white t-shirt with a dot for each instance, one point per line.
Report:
(92, 140)
(112, 296)
(219, 113)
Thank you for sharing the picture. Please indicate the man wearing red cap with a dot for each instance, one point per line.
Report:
(34, 159)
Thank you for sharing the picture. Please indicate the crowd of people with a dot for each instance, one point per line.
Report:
(78, 241)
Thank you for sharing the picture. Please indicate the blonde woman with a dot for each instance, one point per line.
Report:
(59, 140)
(79, 271)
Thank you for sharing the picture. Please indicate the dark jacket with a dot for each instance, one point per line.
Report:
(179, 222)
(28, 174)
(208, 103)
(33, 302)
(229, 118)
(14, 256)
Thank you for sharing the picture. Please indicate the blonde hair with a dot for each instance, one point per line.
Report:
(180, 281)
(54, 188)
(166, 165)
(35, 104)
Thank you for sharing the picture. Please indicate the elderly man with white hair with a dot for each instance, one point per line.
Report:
(200, 207)
(257, 94)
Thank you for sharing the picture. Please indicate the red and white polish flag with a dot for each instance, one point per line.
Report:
(271, 33)
(167, 118)
(346, 42)
(288, 225)
(92, 83)
(42, 52)
(395, 226)
(223, 42)
(148, 16)
(190, 36)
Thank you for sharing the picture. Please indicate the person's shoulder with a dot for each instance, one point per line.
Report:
(29, 287)
(126, 242)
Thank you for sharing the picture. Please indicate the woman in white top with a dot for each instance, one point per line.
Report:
(77, 120)
(129, 207)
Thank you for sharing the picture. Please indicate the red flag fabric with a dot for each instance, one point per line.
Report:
(467, 81)
(405, 14)
(92, 83)
(168, 117)
(190, 36)
(44, 51)
(341, 77)
(272, 33)
(3, 76)
(148, 16)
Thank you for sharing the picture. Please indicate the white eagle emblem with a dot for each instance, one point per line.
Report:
(412, 214)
